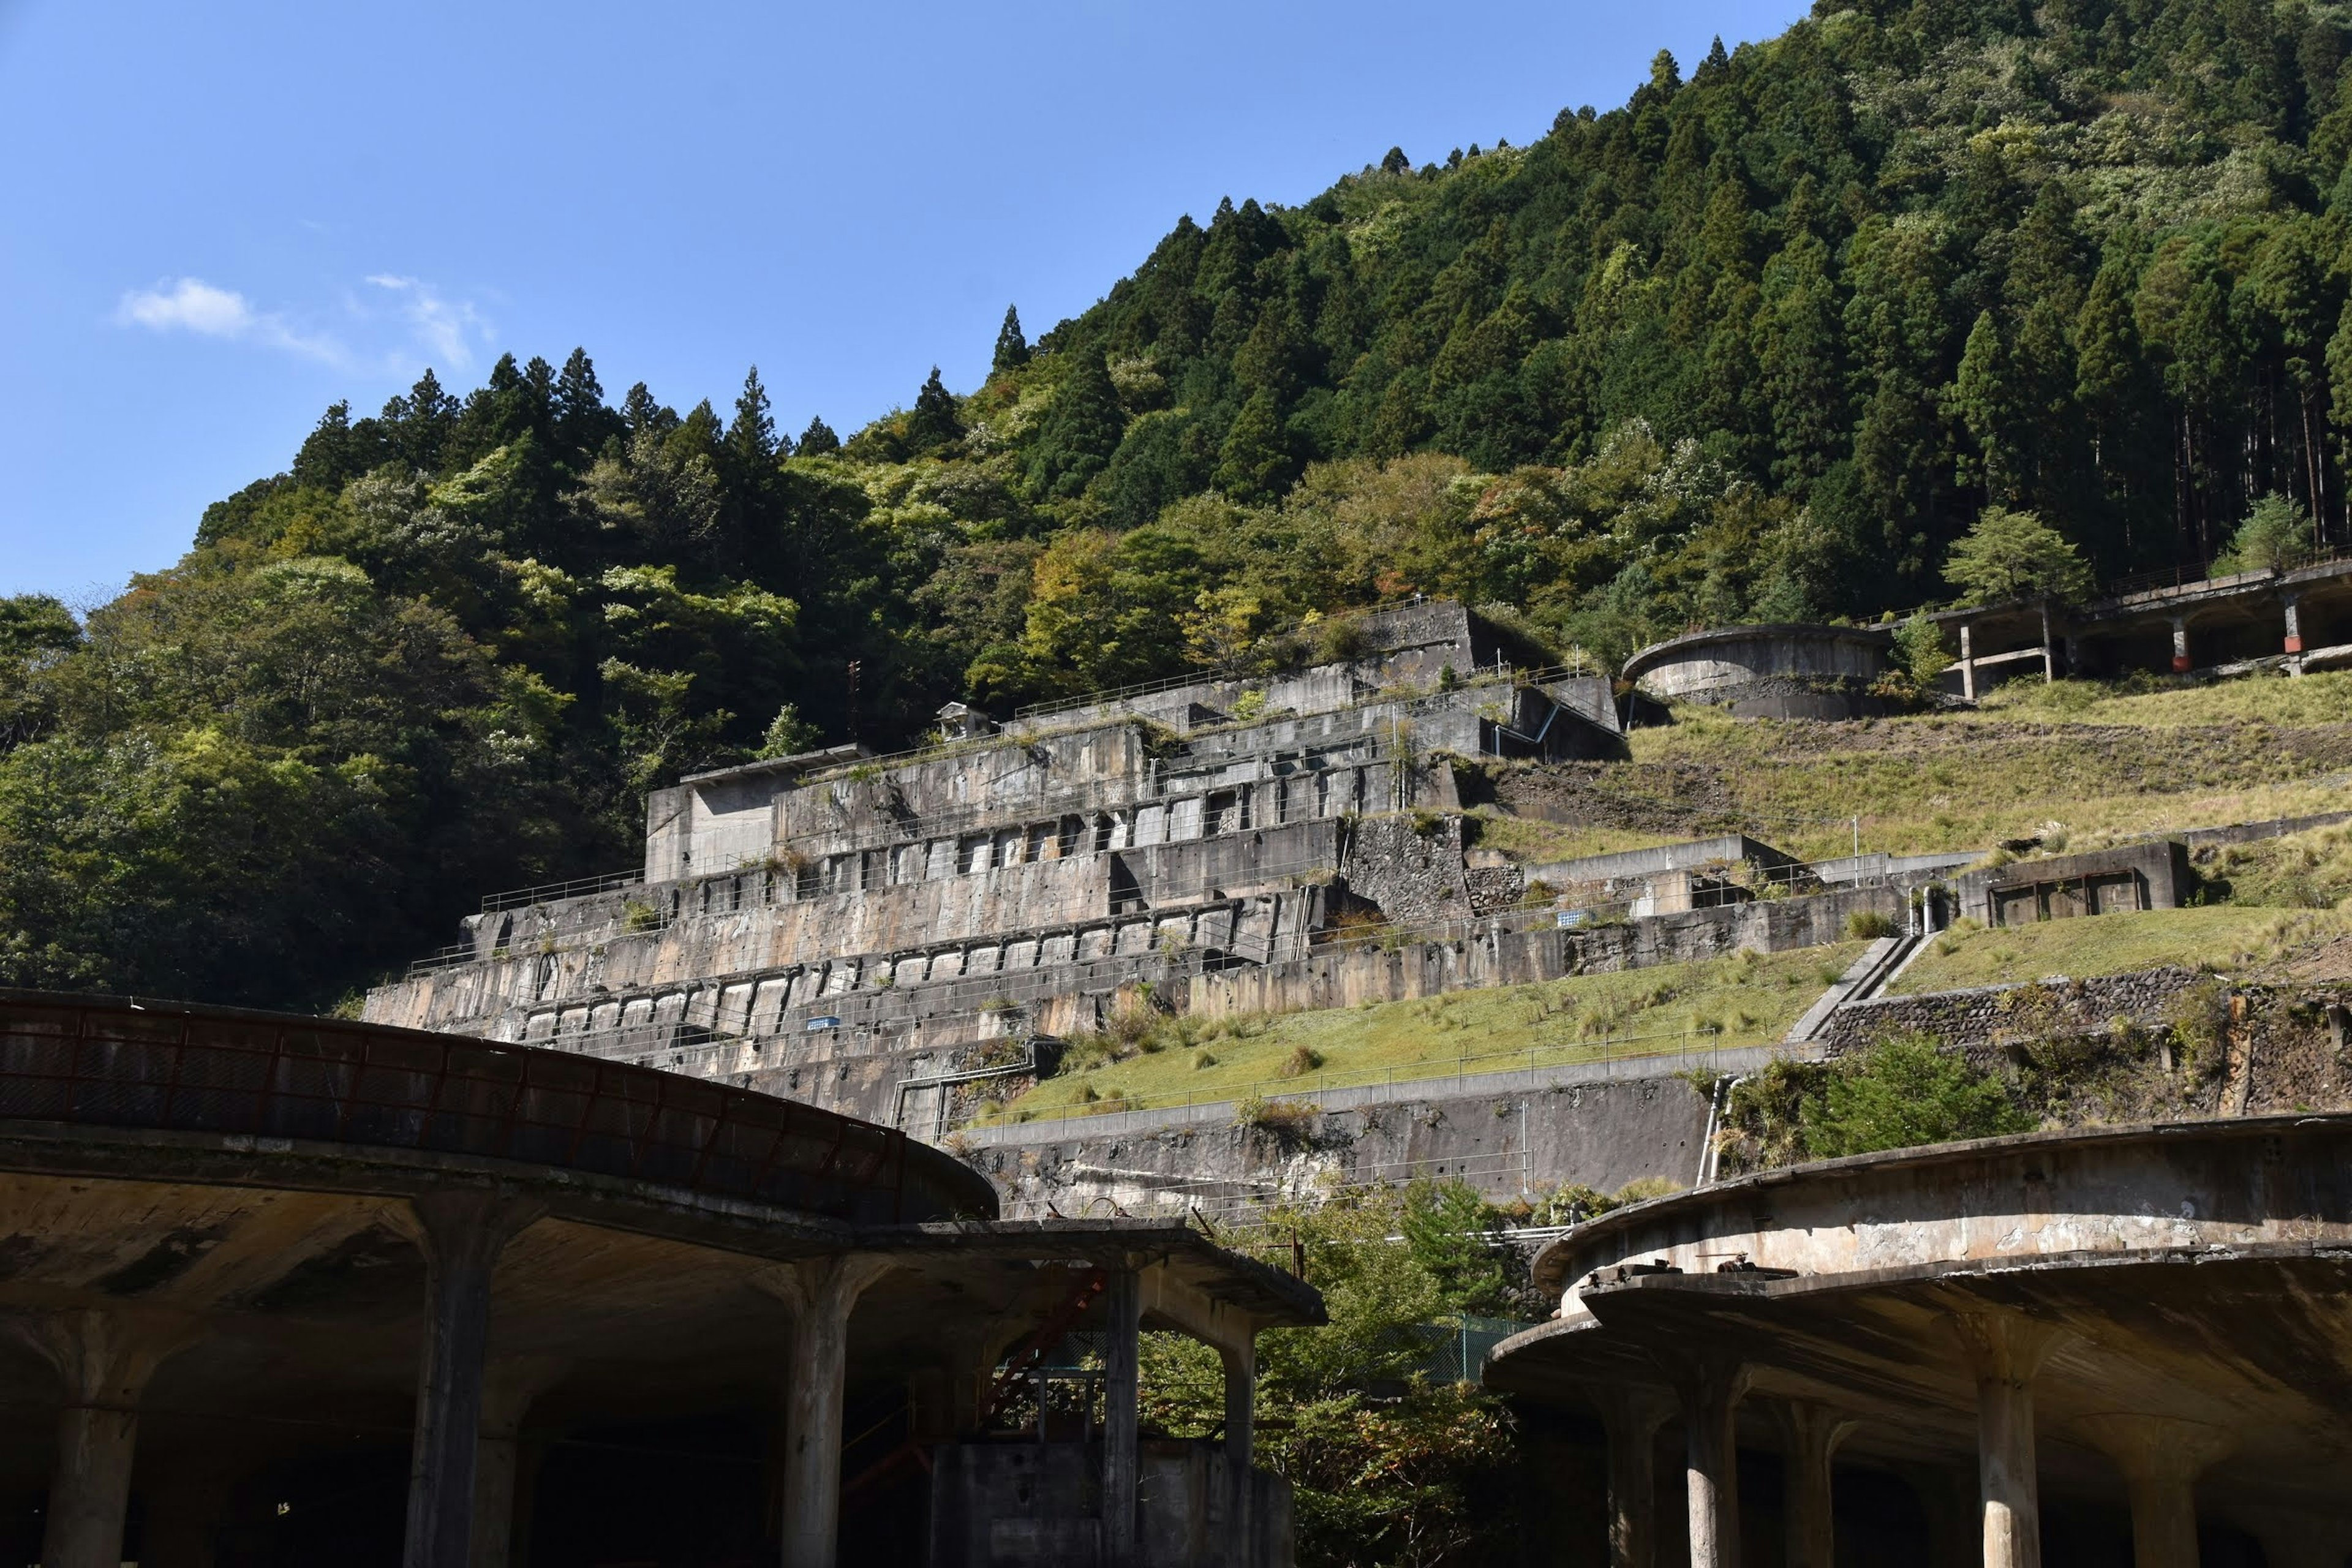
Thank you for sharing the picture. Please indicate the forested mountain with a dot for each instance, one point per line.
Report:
(1761, 342)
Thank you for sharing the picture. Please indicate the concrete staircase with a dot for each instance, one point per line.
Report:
(1869, 975)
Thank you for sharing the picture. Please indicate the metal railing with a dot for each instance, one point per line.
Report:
(164, 1067)
(547, 892)
(2190, 572)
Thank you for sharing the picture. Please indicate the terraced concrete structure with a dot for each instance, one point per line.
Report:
(855, 929)
(2063, 1348)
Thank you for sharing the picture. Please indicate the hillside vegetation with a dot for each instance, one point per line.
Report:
(1761, 341)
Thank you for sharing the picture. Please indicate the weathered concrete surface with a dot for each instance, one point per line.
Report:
(1777, 671)
(2152, 876)
(2195, 1273)
(1509, 1135)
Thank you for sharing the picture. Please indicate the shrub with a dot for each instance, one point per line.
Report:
(1302, 1061)
(638, 915)
(1255, 1111)
(1869, 925)
(1906, 1092)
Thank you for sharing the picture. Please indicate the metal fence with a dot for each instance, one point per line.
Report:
(117, 1063)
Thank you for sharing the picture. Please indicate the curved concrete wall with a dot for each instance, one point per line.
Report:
(1724, 664)
(2234, 1184)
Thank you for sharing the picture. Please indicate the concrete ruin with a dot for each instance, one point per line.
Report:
(874, 932)
(1783, 670)
(2055, 1347)
(279, 1290)
(2284, 619)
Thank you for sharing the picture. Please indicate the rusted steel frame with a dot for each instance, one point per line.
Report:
(638, 1142)
(718, 1125)
(514, 1109)
(179, 1057)
(433, 1098)
(588, 1101)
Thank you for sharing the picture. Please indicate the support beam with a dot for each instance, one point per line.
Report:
(1812, 1432)
(820, 1294)
(2181, 645)
(509, 1387)
(1631, 1416)
(1967, 661)
(2292, 606)
(1121, 1459)
(1709, 1391)
(2049, 647)
(2005, 1352)
(1241, 1427)
(105, 1360)
(461, 1233)
(2161, 1459)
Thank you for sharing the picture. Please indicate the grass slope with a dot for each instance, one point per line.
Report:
(2225, 936)
(1740, 999)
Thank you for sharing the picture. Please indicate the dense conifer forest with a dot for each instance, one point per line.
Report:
(1763, 342)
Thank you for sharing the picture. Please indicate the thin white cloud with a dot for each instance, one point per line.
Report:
(444, 328)
(193, 305)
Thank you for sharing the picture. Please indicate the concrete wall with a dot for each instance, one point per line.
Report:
(2154, 876)
(1507, 1142)
(1707, 666)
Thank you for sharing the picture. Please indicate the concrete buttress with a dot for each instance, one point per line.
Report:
(1812, 1433)
(2160, 1458)
(1121, 1373)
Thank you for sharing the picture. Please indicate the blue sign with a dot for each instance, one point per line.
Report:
(821, 1023)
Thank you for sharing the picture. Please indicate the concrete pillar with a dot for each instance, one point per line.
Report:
(1967, 661)
(820, 1294)
(1632, 1416)
(2293, 607)
(2049, 649)
(509, 1387)
(2161, 1459)
(2005, 1352)
(1241, 1424)
(105, 1360)
(1121, 1460)
(1710, 1393)
(2181, 645)
(1812, 1432)
(461, 1233)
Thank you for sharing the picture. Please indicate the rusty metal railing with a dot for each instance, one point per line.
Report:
(169, 1067)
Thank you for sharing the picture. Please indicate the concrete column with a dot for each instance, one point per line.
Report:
(1812, 1433)
(1967, 661)
(2049, 649)
(461, 1233)
(1632, 1416)
(2181, 645)
(2005, 1350)
(509, 1387)
(1121, 1461)
(2161, 1459)
(2293, 607)
(105, 1360)
(820, 1294)
(1710, 1393)
(1241, 1425)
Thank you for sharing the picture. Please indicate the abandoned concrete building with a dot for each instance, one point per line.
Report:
(869, 933)
(2289, 618)
(283, 1291)
(2091, 1347)
(1786, 670)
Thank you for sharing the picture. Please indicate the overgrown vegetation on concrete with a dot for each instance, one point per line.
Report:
(1150, 1058)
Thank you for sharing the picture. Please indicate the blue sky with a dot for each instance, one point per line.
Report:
(221, 218)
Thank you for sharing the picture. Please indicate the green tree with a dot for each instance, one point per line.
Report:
(935, 422)
(1255, 462)
(818, 440)
(1011, 347)
(2014, 555)
(2274, 532)
(1080, 433)
(1907, 1092)
(1447, 1227)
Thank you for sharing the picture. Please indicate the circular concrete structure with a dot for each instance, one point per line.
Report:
(1782, 671)
(2146, 1324)
(279, 1290)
